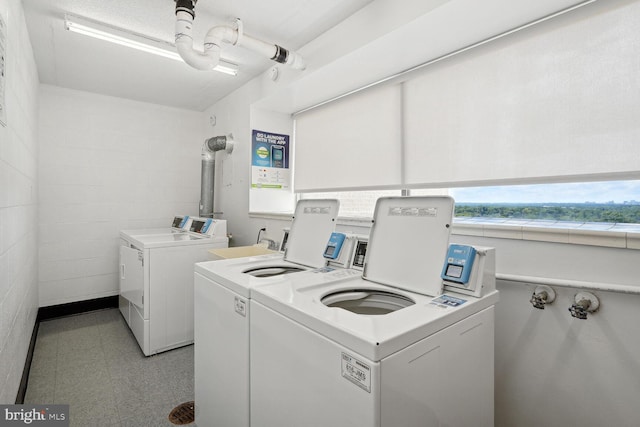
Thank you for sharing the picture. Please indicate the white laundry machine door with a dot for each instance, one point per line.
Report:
(221, 355)
(299, 378)
(132, 274)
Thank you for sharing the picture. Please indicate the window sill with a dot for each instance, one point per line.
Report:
(624, 236)
(271, 215)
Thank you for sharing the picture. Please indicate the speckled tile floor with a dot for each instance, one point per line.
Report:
(93, 363)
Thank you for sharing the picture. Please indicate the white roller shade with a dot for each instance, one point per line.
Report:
(560, 101)
(354, 142)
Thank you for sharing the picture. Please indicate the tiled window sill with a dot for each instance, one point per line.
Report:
(625, 236)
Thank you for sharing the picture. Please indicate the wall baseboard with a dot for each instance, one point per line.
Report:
(52, 312)
(22, 390)
(76, 307)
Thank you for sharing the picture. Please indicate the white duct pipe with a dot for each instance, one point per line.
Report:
(210, 58)
(206, 60)
(273, 52)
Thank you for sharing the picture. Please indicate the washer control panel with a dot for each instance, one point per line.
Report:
(469, 270)
(208, 226)
(180, 222)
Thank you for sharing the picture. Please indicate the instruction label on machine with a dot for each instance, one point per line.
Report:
(240, 306)
(412, 211)
(321, 210)
(270, 160)
(356, 371)
(448, 301)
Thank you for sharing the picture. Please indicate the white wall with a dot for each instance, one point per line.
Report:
(18, 202)
(233, 171)
(551, 369)
(107, 164)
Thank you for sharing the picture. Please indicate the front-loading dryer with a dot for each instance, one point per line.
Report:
(156, 281)
(385, 349)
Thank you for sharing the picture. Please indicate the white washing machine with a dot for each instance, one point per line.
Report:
(222, 291)
(156, 281)
(385, 349)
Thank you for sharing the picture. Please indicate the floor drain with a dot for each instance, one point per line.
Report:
(182, 414)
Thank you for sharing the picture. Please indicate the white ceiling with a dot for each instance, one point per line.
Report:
(78, 62)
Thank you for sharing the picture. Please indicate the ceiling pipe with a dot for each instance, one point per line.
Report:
(210, 57)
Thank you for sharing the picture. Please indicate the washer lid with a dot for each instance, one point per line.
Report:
(313, 223)
(408, 243)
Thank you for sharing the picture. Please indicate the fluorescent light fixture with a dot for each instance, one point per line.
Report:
(125, 38)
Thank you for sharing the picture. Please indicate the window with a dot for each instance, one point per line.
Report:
(610, 201)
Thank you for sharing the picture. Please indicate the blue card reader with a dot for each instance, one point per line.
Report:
(332, 250)
(458, 264)
(206, 226)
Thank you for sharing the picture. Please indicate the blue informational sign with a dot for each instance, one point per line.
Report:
(269, 150)
(270, 161)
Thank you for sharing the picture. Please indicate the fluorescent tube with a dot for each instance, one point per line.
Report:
(73, 25)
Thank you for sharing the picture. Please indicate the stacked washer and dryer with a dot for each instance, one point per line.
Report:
(379, 346)
(156, 279)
